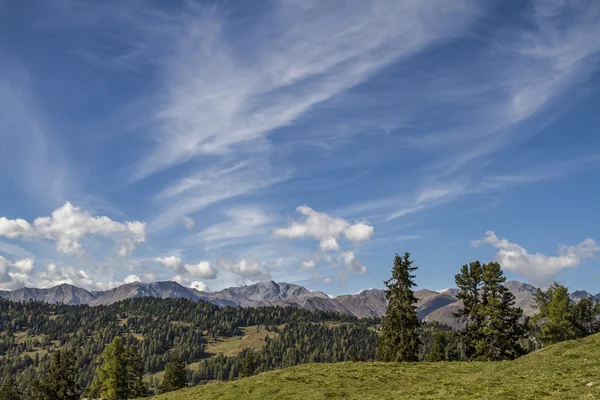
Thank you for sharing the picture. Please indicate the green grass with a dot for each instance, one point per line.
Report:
(253, 338)
(561, 371)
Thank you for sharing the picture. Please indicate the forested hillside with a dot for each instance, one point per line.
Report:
(163, 328)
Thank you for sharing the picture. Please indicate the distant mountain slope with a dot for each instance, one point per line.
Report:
(367, 303)
(66, 294)
(165, 290)
(431, 305)
(275, 294)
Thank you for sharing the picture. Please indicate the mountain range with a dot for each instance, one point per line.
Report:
(431, 305)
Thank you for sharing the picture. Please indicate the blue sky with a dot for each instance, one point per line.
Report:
(224, 142)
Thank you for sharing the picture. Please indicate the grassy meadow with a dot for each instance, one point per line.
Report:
(568, 370)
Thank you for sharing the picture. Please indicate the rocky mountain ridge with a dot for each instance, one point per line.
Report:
(431, 305)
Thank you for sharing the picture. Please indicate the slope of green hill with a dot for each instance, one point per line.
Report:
(569, 370)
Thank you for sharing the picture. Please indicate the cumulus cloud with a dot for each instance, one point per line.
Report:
(131, 279)
(184, 281)
(247, 270)
(202, 270)
(353, 263)
(143, 277)
(327, 280)
(199, 285)
(540, 269)
(68, 224)
(12, 280)
(325, 228)
(54, 276)
(328, 231)
(24, 265)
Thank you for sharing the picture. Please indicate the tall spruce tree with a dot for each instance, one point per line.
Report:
(110, 379)
(555, 315)
(586, 315)
(61, 382)
(9, 389)
(437, 351)
(493, 328)
(119, 376)
(399, 339)
(175, 377)
(135, 373)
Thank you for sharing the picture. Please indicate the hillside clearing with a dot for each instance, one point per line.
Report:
(253, 337)
(562, 371)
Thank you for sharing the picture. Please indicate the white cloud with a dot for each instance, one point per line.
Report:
(307, 264)
(328, 230)
(201, 270)
(11, 280)
(348, 257)
(188, 222)
(540, 269)
(247, 270)
(68, 224)
(184, 281)
(173, 263)
(329, 244)
(131, 279)
(24, 265)
(325, 229)
(54, 276)
(143, 277)
(199, 285)
(354, 264)
(327, 280)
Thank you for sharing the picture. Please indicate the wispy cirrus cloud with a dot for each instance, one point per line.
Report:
(228, 94)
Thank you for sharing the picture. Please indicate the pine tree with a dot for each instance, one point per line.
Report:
(556, 315)
(247, 364)
(61, 382)
(135, 373)
(469, 282)
(437, 351)
(493, 329)
(503, 330)
(399, 340)
(111, 378)
(9, 389)
(586, 317)
(175, 377)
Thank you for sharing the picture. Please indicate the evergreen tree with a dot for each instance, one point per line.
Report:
(61, 381)
(469, 282)
(111, 379)
(248, 364)
(556, 315)
(437, 351)
(586, 315)
(135, 373)
(9, 389)
(399, 340)
(493, 328)
(175, 377)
